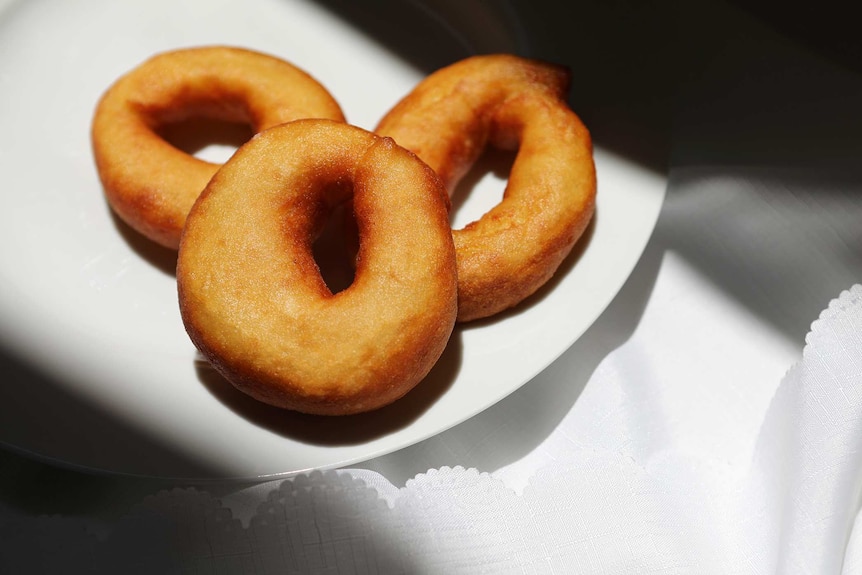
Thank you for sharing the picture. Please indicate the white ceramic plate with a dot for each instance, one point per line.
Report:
(97, 371)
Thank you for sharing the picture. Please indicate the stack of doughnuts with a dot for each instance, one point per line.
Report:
(251, 294)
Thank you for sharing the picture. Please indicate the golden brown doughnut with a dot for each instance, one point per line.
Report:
(251, 294)
(150, 183)
(511, 103)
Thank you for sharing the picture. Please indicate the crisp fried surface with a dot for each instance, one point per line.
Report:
(511, 103)
(151, 184)
(252, 297)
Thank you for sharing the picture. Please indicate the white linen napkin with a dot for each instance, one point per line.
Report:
(614, 489)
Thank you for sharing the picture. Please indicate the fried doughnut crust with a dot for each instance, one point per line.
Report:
(251, 294)
(511, 103)
(149, 183)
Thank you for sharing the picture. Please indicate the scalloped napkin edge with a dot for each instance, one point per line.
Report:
(591, 509)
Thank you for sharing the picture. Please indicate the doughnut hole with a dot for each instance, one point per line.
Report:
(209, 139)
(482, 187)
(335, 248)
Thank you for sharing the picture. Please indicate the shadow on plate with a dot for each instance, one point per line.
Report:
(161, 258)
(342, 430)
(626, 61)
(432, 34)
(42, 420)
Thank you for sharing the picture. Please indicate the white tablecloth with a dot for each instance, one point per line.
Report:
(709, 422)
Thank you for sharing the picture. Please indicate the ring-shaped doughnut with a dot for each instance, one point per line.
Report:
(150, 183)
(251, 294)
(510, 103)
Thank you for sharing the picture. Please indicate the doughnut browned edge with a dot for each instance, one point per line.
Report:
(512, 103)
(149, 183)
(251, 294)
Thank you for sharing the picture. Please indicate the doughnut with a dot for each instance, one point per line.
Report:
(511, 103)
(149, 183)
(251, 294)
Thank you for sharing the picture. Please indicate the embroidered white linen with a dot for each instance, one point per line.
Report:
(629, 480)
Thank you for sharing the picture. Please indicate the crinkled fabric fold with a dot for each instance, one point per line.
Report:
(610, 508)
(806, 477)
